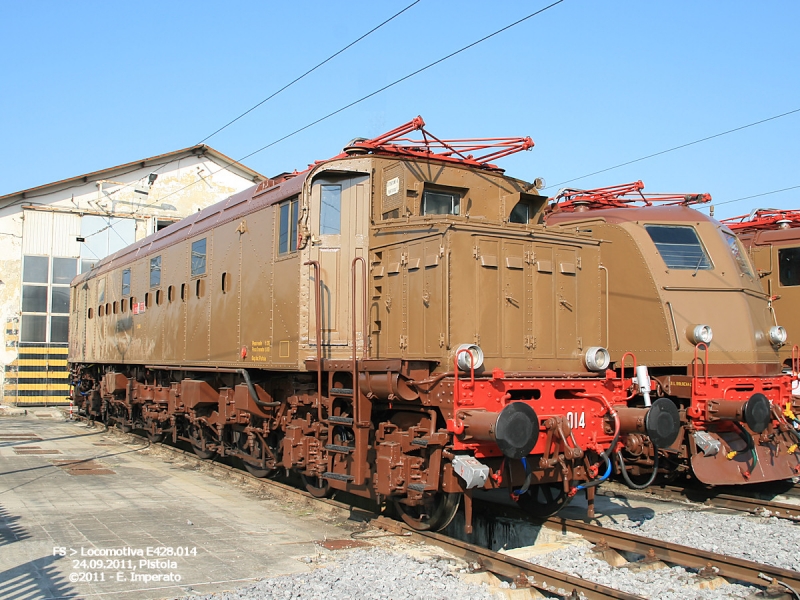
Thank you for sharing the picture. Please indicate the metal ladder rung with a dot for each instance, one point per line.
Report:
(338, 448)
(337, 476)
(341, 391)
(341, 420)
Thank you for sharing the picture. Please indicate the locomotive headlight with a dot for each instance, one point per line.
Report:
(777, 335)
(469, 356)
(597, 358)
(701, 334)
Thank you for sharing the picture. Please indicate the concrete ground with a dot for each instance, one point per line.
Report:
(83, 514)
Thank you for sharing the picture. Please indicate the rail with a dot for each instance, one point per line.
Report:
(524, 573)
(724, 565)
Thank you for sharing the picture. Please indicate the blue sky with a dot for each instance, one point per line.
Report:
(88, 85)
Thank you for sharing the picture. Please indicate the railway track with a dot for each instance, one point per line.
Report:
(525, 574)
(725, 499)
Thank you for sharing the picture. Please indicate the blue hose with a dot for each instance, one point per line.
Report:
(605, 476)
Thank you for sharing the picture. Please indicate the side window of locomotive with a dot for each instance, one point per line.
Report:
(679, 246)
(330, 214)
(287, 223)
(198, 258)
(440, 203)
(789, 266)
(155, 271)
(126, 282)
(520, 213)
(739, 253)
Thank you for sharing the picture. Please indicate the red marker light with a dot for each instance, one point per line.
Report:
(244, 351)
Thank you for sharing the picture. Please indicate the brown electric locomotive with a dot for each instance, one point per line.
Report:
(394, 322)
(683, 298)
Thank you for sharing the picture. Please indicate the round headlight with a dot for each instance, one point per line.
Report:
(777, 335)
(701, 334)
(471, 357)
(597, 358)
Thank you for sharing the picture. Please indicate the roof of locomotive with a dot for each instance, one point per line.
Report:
(271, 191)
(628, 214)
(765, 237)
(234, 207)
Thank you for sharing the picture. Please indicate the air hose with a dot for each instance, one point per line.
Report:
(606, 456)
(748, 439)
(626, 477)
(528, 477)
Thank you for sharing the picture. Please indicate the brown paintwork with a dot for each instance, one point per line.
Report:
(763, 247)
(533, 297)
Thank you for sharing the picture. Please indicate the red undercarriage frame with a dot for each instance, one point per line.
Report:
(575, 417)
(744, 456)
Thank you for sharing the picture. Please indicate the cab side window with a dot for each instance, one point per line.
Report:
(520, 213)
(287, 227)
(440, 203)
(789, 266)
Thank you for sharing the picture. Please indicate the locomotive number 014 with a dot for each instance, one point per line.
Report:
(576, 420)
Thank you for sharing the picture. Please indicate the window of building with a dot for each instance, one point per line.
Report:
(679, 246)
(126, 282)
(440, 203)
(46, 298)
(155, 271)
(199, 257)
(287, 233)
(789, 266)
(330, 214)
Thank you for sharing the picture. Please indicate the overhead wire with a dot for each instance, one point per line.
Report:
(311, 70)
(376, 92)
(272, 95)
(673, 149)
(794, 187)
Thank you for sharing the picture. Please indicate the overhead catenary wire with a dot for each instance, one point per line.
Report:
(375, 93)
(271, 96)
(786, 189)
(679, 147)
(311, 70)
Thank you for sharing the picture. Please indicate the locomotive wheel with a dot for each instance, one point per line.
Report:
(543, 501)
(316, 486)
(196, 439)
(256, 471)
(434, 514)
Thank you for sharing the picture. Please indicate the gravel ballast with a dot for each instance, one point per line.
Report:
(766, 540)
(372, 573)
(671, 583)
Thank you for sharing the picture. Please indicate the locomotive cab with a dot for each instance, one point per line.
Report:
(683, 298)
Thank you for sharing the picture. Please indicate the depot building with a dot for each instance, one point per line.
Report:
(51, 233)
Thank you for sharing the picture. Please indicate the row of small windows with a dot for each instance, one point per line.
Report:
(157, 297)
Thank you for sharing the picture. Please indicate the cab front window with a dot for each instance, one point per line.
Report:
(679, 247)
